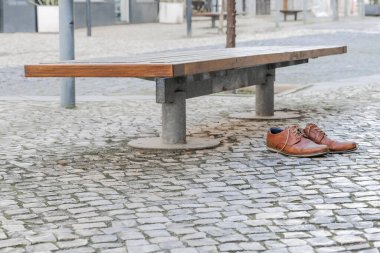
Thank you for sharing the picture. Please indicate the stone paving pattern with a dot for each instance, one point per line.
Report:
(69, 182)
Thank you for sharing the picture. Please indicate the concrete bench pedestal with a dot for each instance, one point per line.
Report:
(173, 135)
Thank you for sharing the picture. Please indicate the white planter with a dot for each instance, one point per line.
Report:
(47, 18)
(171, 13)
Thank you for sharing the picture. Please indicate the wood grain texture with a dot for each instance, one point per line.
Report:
(98, 70)
(180, 63)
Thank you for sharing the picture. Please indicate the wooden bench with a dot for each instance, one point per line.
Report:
(290, 12)
(213, 15)
(188, 74)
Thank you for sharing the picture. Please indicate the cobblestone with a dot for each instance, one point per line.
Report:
(251, 246)
(12, 242)
(103, 238)
(184, 250)
(72, 244)
(41, 247)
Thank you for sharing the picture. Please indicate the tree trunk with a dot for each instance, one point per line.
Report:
(285, 5)
(231, 23)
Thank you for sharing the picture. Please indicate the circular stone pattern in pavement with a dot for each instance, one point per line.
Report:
(157, 144)
(277, 115)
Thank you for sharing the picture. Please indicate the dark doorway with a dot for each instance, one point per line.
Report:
(143, 11)
(263, 7)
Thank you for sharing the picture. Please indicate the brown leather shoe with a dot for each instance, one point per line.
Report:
(290, 141)
(314, 133)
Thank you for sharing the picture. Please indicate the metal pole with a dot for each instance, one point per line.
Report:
(360, 8)
(88, 17)
(304, 11)
(277, 13)
(189, 14)
(346, 8)
(254, 7)
(66, 50)
(221, 15)
(334, 6)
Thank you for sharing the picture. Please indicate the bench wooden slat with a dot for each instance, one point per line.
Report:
(98, 70)
(185, 56)
(173, 64)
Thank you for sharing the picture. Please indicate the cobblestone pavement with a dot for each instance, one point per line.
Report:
(69, 182)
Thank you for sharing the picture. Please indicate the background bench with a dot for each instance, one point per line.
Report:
(188, 74)
(213, 15)
(290, 12)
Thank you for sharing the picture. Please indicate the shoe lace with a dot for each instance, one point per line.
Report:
(319, 132)
(296, 132)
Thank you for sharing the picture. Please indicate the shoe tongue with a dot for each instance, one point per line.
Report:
(319, 133)
(294, 127)
(311, 127)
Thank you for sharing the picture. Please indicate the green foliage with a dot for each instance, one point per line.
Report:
(374, 1)
(45, 2)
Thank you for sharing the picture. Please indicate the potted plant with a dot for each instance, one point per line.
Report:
(47, 15)
(171, 11)
(373, 8)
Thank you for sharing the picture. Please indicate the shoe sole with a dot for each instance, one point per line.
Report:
(343, 151)
(302, 156)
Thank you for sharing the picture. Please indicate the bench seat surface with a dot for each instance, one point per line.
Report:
(179, 63)
(290, 11)
(208, 14)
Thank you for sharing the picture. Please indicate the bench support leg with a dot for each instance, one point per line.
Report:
(213, 19)
(265, 95)
(173, 136)
(265, 102)
(174, 120)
